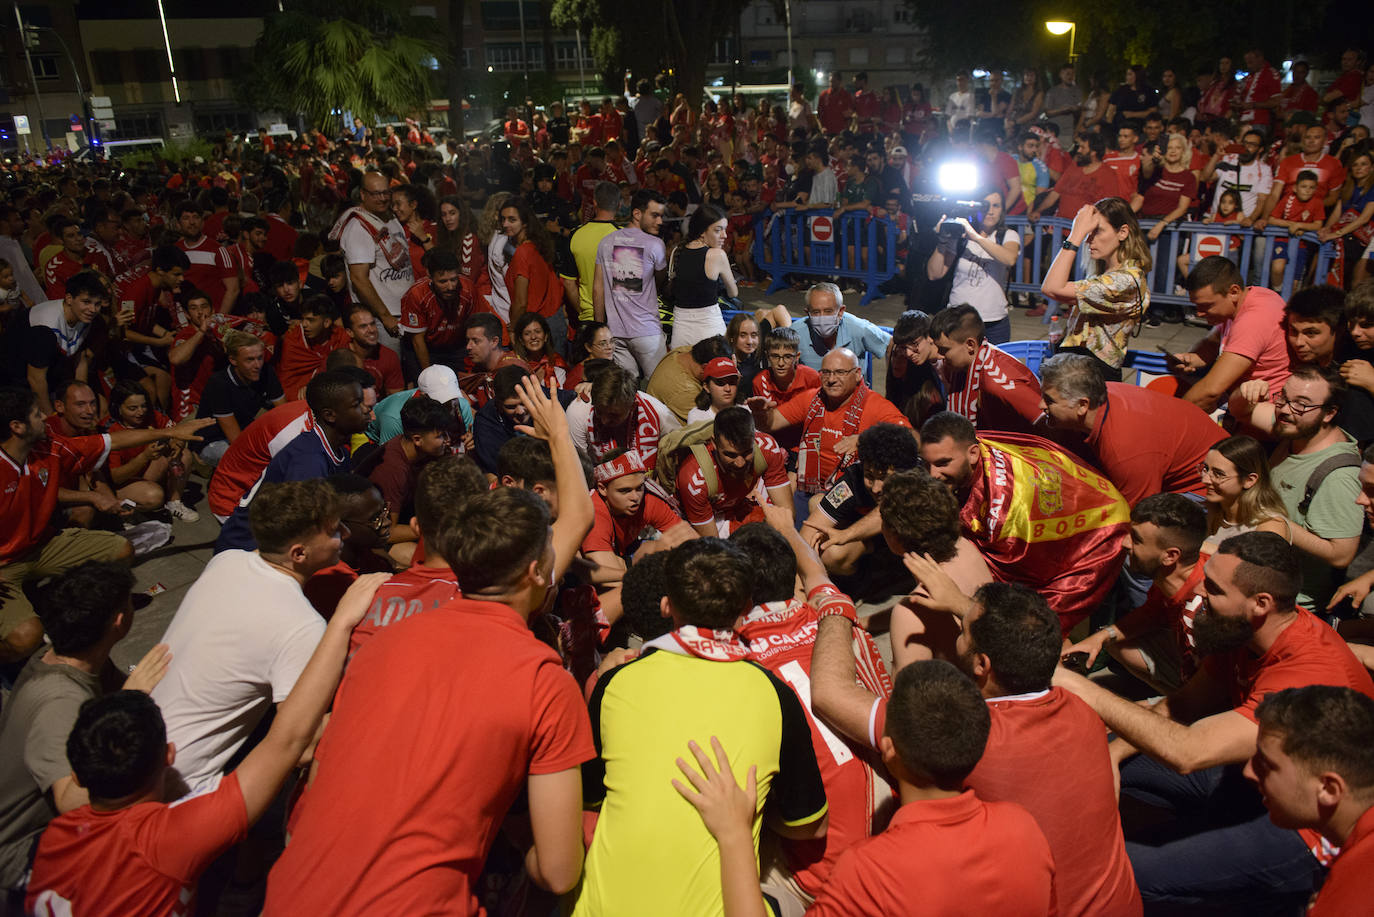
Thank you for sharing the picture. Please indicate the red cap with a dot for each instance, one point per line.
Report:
(721, 368)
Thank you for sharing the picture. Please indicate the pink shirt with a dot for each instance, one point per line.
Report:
(1256, 333)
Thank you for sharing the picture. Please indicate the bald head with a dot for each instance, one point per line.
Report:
(376, 193)
(840, 375)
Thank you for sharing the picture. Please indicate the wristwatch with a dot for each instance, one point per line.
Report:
(1068, 246)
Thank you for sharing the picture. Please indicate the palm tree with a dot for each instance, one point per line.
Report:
(323, 57)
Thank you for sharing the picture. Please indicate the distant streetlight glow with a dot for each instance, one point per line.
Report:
(1059, 27)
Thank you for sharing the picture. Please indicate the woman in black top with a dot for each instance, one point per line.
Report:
(700, 271)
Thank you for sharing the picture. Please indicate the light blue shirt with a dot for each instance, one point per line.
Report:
(386, 415)
(859, 335)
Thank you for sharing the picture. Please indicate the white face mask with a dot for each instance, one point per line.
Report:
(790, 168)
(824, 325)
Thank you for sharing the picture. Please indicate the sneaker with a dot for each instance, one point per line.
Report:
(1037, 311)
(181, 511)
(1152, 319)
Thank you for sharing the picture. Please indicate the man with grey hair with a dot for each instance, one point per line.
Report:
(831, 422)
(1145, 442)
(829, 327)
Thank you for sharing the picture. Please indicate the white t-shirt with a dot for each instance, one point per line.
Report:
(980, 280)
(1251, 180)
(239, 641)
(579, 412)
(959, 107)
(391, 273)
(49, 314)
(825, 188)
(496, 271)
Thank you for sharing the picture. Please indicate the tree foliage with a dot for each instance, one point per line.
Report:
(648, 36)
(319, 58)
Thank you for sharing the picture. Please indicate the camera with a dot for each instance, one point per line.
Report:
(973, 211)
(958, 180)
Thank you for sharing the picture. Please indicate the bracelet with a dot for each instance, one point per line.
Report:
(839, 610)
(1113, 634)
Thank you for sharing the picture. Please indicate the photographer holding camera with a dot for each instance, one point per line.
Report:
(981, 250)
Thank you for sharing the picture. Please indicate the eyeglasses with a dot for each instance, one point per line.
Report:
(1206, 472)
(783, 357)
(385, 192)
(378, 523)
(1297, 408)
(837, 373)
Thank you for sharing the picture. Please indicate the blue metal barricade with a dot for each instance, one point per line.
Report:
(1252, 251)
(819, 245)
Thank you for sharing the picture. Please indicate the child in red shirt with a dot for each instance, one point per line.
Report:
(1298, 211)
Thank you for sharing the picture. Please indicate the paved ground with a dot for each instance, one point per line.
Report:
(176, 566)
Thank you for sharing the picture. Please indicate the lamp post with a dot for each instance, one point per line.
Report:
(1059, 27)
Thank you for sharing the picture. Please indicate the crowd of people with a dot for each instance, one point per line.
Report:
(536, 582)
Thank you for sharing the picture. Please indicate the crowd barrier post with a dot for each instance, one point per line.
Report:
(816, 245)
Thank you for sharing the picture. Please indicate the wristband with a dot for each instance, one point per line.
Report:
(830, 602)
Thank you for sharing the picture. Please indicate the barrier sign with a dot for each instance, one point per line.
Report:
(1208, 246)
(822, 229)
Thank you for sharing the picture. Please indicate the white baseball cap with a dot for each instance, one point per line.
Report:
(440, 383)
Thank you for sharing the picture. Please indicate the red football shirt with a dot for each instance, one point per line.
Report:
(618, 533)
(247, 456)
(830, 428)
(1329, 171)
(422, 313)
(544, 293)
(803, 388)
(413, 590)
(58, 271)
(281, 238)
(1142, 456)
(952, 856)
(732, 501)
(385, 367)
(210, 267)
(1076, 188)
(781, 636)
(833, 108)
(444, 717)
(302, 360)
(145, 859)
(1346, 890)
(996, 392)
(28, 492)
(1033, 738)
(1307, 652)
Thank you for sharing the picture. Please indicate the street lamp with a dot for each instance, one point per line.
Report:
(1059, 27)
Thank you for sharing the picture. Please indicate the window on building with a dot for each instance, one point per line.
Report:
(723, 51)
(217, 122)
(902, 14)
(467, 58)
(858, 56)
(760, 58)
(565, 56)
(507, 56)
(150, 64)
(859, 20)
(504, 15)
(194, 63)
(896, 54)
(823, 61)
(44, 66)
(134, 127)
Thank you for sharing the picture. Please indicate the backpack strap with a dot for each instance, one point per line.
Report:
(1320, 473)
(708, 469)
